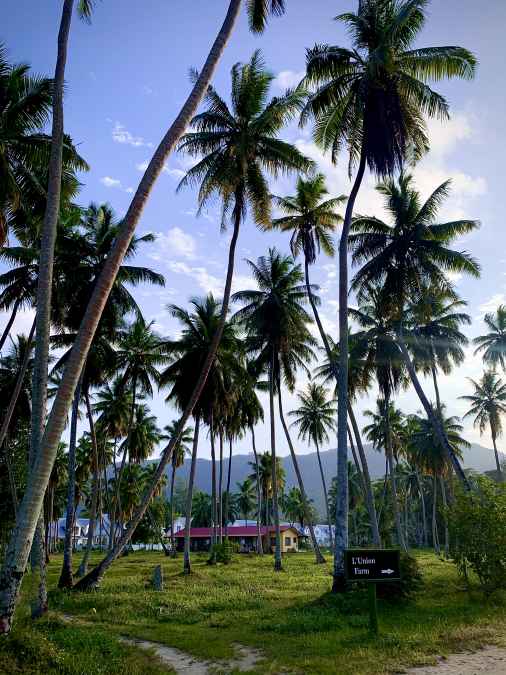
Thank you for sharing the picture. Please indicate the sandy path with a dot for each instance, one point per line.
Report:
(488, 661)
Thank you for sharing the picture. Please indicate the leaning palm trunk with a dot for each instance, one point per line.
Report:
(8, 326)
(17, 388)
(83, 567)
(66, 578)
(275, 506)
(93, 579)
(305, 501)
(260, 548)
(43, 314)
(22, 535)
(434, 419)
(341, 536)
(189, 499)
(368, 492)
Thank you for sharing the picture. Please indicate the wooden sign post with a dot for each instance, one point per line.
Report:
(372, 565)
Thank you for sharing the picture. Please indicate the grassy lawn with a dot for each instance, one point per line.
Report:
(289, 616)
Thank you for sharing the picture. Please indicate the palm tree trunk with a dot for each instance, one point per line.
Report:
(435, 538)
(260, 548)
(83, 567)
(341, 537)
(316, 547)
(445, 518)
(214, 510)
(66, 578)
(220, 489)
(17, 388)
(436, 390)
(11, 477)
(325, 494)
(434, 420)
(189, 499)
(424, 512)
(172, 537)
(275, 507)
(369, 495)
(500, 477)
(229, 473)
(21, 536)
(8, 326)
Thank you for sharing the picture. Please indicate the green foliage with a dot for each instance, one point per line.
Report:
(477, 523)
(411, 581)
(223, 551)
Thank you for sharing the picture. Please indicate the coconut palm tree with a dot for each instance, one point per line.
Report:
(487, 405)
(181, 449)
(275, 324)
(314, 419)
(21, 537)
(372, 99)
(404, 256)
(265, 473)
(493, 343)
(246, 498)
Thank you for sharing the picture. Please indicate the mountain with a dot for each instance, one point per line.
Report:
(476, 457)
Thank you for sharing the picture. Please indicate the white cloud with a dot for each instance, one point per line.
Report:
(121, 135)
(110, 182)
(142, 166)
(492, 303)
(174, 173)
(176, 242)
(287, 79)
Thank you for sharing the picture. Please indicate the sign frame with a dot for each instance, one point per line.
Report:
(368, 554)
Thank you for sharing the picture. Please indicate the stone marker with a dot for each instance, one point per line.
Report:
(158, 578)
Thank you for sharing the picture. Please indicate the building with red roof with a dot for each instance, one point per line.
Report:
(245, 536)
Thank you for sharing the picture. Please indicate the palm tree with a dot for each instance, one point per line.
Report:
(493, 344)
(403, 256)
(275, 323)
(21, 537)
(373, 99)
(314, 419)
(245, 498)
(487, 404)
(181, 449)
(385, 432)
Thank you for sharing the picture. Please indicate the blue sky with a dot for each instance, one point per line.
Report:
(127, 76)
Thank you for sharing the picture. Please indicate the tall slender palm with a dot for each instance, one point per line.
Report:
(487, 405)
(181, 449)
(314, 419)
(246, 498)
(275, 324)
(404, 256)
(21, 537)
(372, 99)
(493, 343)
(266, 473)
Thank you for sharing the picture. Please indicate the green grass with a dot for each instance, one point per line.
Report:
(290, 616)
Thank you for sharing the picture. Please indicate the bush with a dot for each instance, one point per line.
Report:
(411, 581)
(222, 552)
(477, 523)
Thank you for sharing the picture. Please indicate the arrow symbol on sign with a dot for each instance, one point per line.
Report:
(388, 571)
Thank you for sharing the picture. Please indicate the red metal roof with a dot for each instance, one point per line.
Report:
(237, 531)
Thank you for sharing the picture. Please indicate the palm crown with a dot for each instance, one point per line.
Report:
(487, 403)
(493, 344)
(316, 415)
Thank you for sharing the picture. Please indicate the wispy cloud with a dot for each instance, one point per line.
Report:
(287, 79)
(111, 182)
(174, 242)
(120, 134)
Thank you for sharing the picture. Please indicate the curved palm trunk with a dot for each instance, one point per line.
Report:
(189, 499)
(83, 567)
(500, 476)
(435, 538)
(318, 554)
(66, 577)
(368, 493)
(275, 507)
(424, 511)
(434, 420)
(4, 430)
(172, 537)
(8, 326)
(260, 548)
(325, 495)
(93, 579)
(21, 536)
(341, 536)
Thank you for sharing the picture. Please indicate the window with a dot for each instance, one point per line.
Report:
(288, 541)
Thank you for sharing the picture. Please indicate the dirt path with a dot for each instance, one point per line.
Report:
(245, 660)
(488, 661)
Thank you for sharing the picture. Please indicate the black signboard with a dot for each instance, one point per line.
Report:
(367, 564)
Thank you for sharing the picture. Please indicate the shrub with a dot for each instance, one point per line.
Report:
(477, 522)
(410, 583)
(223, 551)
